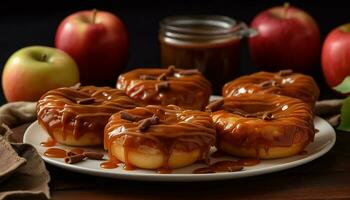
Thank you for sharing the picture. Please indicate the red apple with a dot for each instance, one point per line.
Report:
(336, 55)
(32, 71)
(98, 42)
(287, 37)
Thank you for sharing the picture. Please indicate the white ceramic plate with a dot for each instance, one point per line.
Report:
(324, 140)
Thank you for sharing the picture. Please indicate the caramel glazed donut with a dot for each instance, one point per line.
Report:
(185, 88)
(284, 82)
(262, 125)
(77, 115)
(154, 137)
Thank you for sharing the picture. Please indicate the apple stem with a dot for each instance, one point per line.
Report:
(43, 57)
(286, 6)
(94, 13)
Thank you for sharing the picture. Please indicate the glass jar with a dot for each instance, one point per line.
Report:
(209, 43)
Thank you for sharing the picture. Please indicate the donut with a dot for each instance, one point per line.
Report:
(159, 137)
(185, 88)
(284, 82)
(77, 116)
(262, 126)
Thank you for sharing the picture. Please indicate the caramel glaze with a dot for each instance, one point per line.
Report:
(188, 90)
(227, 166)
(48, 143)
(291, 121)
(294, 85)
(219, 154)
(80, 110)
(55, 153)
(179, 129)
(109, 165)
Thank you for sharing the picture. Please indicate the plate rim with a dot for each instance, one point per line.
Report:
(189, 177)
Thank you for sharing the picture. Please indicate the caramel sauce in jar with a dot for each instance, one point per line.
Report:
(209, 43)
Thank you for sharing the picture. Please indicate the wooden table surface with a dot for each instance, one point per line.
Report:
(327, 177)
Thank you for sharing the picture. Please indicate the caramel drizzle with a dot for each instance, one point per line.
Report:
(81, 110)
(215, 105)
(265, 115)
(293, 118)
(130, 117)
(187, 88)
(172, 126)
(85, 101)
(189, 72)
(268, 83)
(284, 82)
(147, 77)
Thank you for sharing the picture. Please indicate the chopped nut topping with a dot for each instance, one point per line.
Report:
(74, 159)
(162, 77)
(146, 123)
(170, 71)
(93, 155)
(267, 116)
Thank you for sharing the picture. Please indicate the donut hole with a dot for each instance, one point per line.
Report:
(252, 108)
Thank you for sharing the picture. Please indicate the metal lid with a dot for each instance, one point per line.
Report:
(201, 27)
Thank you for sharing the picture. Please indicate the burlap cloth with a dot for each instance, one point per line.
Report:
(23, 174)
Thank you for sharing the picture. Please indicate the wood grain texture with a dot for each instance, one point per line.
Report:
(325, 178)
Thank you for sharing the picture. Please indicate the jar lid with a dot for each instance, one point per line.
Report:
(202, 27)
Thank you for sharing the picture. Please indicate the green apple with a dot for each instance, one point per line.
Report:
(34, 70)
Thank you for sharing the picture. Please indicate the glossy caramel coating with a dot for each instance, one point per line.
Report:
(77, 115)
(179, 138)
(245, 131)
(190, 91)
(295, 85)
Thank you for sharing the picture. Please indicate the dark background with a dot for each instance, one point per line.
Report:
(34, 23)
